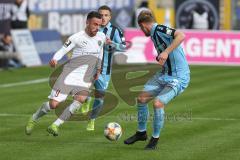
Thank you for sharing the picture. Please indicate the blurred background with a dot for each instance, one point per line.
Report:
(201, 124)
(33, 30)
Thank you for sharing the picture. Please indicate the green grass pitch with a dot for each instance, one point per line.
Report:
(211, 130)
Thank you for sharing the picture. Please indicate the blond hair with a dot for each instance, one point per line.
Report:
(145, 16)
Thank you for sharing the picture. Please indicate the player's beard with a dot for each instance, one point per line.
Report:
(146, 33)
(90, 32)
(94, 32)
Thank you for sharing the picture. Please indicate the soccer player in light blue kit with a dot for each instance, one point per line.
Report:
(164, 85)
(117, 42)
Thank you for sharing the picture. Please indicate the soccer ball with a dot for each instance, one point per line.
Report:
(112, 131)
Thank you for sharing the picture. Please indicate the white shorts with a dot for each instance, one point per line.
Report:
(57, 96)
(70, 83)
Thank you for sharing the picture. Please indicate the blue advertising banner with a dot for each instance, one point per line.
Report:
(73, 6)
(69, 16)
(47, 42)
(236, 14)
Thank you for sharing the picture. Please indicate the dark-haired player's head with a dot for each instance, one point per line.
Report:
(93, 23)
(106, 14)
(18, 2)
(145, 21)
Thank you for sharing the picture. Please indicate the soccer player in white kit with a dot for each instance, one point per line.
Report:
(78, 73)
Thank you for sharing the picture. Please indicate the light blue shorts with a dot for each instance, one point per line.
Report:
(165, 87)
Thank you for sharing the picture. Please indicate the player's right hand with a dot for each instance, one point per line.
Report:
(96, 76)
(162, 57)
(53, 63)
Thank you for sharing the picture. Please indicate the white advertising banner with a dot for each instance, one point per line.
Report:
(25, 47)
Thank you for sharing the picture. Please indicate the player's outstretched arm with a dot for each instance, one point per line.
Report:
(68, 46)
(120, 43)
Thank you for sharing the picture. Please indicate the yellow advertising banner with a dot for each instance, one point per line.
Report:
(163, 14)
(226, 14)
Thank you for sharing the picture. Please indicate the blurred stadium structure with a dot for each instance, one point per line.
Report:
(212, 41)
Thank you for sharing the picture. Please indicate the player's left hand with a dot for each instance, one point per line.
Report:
(108, 41)
(96, 76)
(162, 58)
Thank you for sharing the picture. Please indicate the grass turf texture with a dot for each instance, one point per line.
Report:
(211, 132)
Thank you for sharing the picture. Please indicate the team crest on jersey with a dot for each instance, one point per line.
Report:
(99, 43)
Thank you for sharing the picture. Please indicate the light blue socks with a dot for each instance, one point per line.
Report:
(158, 121)
(142, 117)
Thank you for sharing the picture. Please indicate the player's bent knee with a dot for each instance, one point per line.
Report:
(53, 104)
(158, 104)
(81, 96)
(81, 99)
(99, 94)
(142, 99)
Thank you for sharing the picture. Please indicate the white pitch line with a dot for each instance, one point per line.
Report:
(193, 118)
(24, 83)
(36, 81)
(215, 119)
(13, 115)
(18, 115)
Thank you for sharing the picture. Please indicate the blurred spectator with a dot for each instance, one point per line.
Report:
(143, 6)
(236, 23)
(6, 43)
(8, 58)
(200, 18)
(20, 14)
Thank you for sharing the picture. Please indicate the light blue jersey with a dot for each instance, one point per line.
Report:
(118, 43)
(117, 39)
(101, 84)
(175, 74)
(176, 64)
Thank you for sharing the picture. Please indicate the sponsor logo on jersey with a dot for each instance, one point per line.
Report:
(67, 43)
(83, 44)
(169, 31)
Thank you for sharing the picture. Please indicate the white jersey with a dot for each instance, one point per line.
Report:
(79, 71)
(83, 46)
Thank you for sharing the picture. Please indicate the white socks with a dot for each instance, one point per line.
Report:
(43, 110)
(58, 122)
(67, 113)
